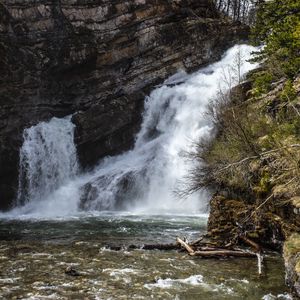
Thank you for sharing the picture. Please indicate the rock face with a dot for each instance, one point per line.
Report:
(291, 256)
(98, 58)
(268, 228)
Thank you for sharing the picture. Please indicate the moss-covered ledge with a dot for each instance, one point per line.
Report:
(291, 254)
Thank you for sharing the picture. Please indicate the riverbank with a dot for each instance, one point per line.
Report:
(257, 183)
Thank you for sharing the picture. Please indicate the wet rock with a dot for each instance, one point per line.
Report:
(125, 188)
(99, 59)
(115, 248)
(229, 218)
(291, 256)
(17, 250)
(71, 271)
(224, 216)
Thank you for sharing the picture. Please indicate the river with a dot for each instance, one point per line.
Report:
(35, 253)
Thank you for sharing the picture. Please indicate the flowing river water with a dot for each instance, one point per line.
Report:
(64, 217)
(35, 253)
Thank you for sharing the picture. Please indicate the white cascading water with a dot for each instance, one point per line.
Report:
(143, 179)
(48, 160)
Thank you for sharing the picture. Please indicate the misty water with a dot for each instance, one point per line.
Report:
(64, 217)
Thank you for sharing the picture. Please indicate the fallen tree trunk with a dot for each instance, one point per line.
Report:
(194, 243)
(161, 247)
(223, 253)
(155, 247)
(206, 248)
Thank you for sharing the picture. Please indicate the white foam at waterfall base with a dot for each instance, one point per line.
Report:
(142, 180)
(48, 163)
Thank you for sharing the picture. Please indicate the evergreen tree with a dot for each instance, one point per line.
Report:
(278, 27)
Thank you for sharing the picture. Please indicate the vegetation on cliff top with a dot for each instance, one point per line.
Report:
(254, 155)
(278, 26)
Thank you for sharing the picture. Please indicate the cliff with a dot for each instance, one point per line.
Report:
(96, 59)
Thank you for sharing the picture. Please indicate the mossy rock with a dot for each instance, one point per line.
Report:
(281, 191)
(297, 268)
(291, 256)
(296, 202)
(292, 245)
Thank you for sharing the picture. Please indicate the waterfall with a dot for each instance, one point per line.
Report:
(143, 179)
(47, 159)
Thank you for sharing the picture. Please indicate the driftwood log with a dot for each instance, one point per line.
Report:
(223, 253)
(250, 243)
(162, 247)
(206, 249)
(200, 248)
(188, 248)
(210, 252)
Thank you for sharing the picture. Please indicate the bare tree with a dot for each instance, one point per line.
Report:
(238, 10)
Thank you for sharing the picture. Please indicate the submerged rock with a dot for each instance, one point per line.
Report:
(71, 271)
(99, 59)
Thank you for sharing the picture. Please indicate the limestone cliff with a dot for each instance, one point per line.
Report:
(98, 59)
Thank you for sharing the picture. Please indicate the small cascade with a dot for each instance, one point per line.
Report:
(47, 159)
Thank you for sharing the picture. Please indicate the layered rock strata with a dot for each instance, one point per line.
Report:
(97, 59)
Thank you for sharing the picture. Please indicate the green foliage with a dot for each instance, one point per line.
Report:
(278, 27)
(288, 93)
(264, 186)
(246, 133)
(287, 129)
(262, 83)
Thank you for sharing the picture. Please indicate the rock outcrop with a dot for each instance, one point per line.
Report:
(291, 256)
(98, 59)
(230, 218)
